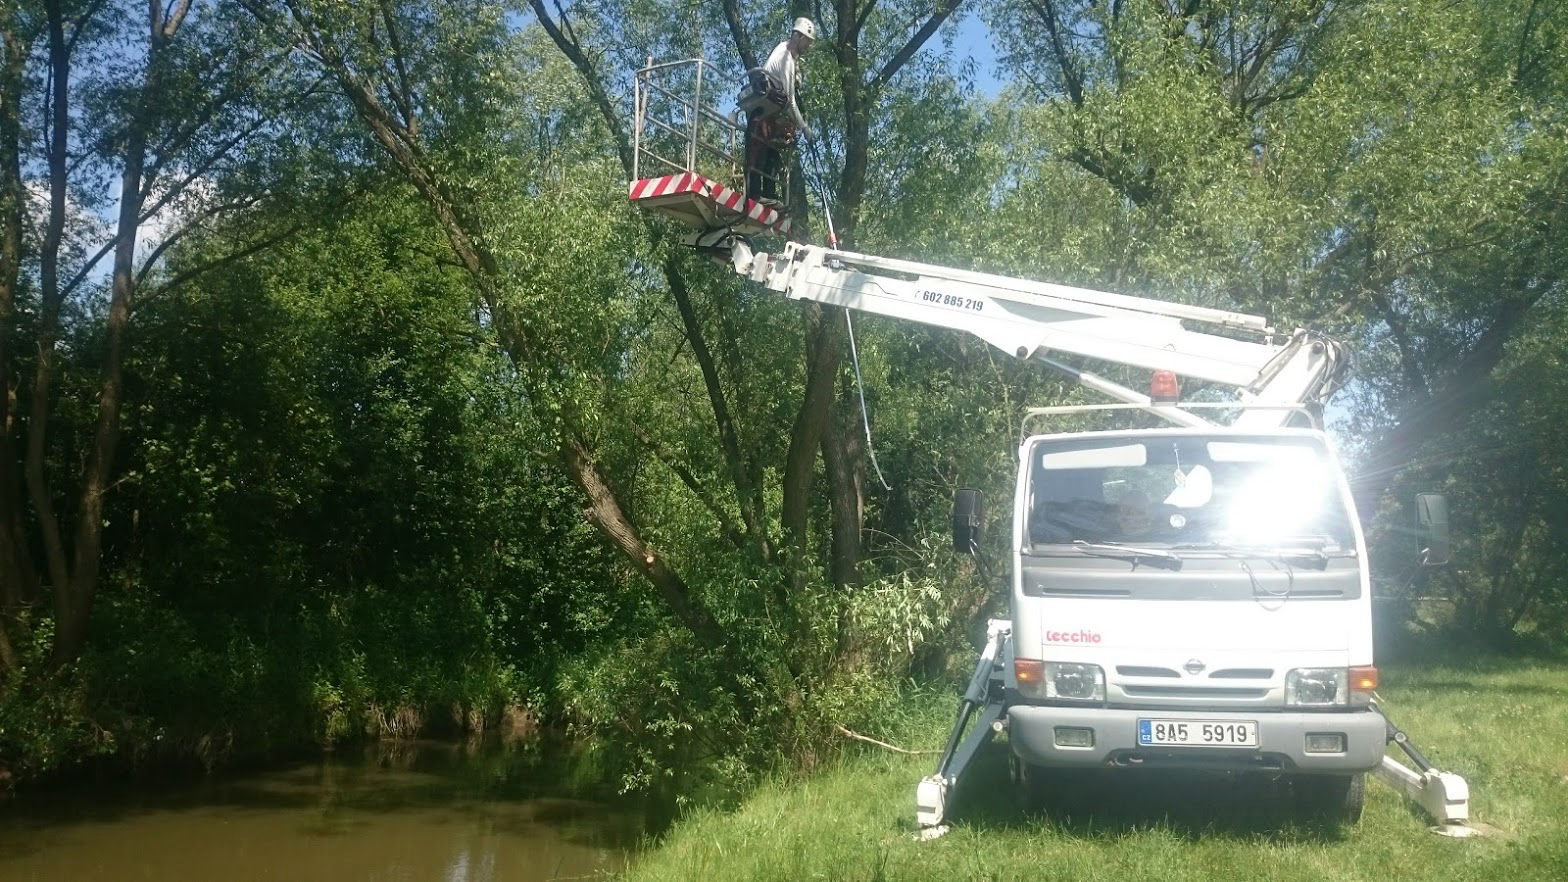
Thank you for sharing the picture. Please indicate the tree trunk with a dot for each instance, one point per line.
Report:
(811, 421)
(74, 599)
(843, 452)
(747, 495)
(49, 295)
(17, 582)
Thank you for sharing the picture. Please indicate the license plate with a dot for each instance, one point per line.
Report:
(1198, 733)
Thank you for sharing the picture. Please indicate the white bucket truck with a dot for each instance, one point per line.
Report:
(1193, 596)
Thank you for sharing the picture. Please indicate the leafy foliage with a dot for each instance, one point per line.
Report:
(421, 423)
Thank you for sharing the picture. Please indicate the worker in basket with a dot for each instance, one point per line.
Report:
(773, 118)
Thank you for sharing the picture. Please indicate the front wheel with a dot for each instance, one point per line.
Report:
(1330, 799)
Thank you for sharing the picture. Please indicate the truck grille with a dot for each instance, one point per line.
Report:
(1138, 671)
(1242, 694)
(1222, 674)
(1159, 686)
(1243, 674)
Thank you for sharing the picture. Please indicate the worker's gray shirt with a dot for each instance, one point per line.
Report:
(781, 69)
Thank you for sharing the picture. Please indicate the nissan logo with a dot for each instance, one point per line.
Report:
(1193, 667)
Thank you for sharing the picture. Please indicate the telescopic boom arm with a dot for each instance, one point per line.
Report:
(1035, 320)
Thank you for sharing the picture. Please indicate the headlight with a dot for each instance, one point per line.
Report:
(1075, 681)
(1060, 680)
(1317, 687)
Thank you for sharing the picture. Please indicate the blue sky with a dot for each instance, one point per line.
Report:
(974, 40)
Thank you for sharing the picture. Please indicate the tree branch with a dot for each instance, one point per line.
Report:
(1415, 380)
(171, 24)
(748, 55)
(404, 96)
(185, 276)
(148, 212)
(183, 136)
(1071, 76)
(79, 23)
(838, 727)
(574, 53)
(231, 258)
(749, 497)
(861, 16)
(944, 8)
(731, 532)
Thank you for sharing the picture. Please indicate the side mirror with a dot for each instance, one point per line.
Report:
(1432, 529)
(968, 507)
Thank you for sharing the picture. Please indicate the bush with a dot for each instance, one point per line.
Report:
(44, 723)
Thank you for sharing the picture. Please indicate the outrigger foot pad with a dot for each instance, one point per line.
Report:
(931, 801)
(1444, 796)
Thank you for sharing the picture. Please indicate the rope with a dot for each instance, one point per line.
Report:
(822, 191)
(860, 390)
(854, 352)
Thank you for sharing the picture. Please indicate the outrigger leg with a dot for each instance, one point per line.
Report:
(1442, 795)
(985, 695)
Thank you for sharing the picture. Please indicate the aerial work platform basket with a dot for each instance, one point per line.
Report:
(689, 160)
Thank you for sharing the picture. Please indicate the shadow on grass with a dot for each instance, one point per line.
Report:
(1466, 653)
(1488, 687)
(1112, 803)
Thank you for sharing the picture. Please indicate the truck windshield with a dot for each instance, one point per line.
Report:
(1192, 492)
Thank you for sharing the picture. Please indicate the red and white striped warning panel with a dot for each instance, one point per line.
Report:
(707, 204)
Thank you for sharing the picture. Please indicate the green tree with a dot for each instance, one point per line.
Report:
(330, 522)
(660, 383)
(1388, 172)
(151, 102)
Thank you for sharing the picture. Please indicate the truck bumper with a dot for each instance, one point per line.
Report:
(1033, 732)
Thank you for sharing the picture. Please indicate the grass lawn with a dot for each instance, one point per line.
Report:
(1503, 724)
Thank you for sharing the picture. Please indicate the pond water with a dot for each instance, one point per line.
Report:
(407, 812)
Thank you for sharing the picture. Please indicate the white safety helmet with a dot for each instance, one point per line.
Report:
(805, 28)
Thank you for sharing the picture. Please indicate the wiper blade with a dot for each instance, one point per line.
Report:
(1313, 557)
(1313, 541)
(1154, 557)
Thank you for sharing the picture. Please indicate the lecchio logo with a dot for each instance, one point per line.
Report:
(1082, 635)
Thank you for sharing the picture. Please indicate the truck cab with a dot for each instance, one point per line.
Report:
(1192, 598)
